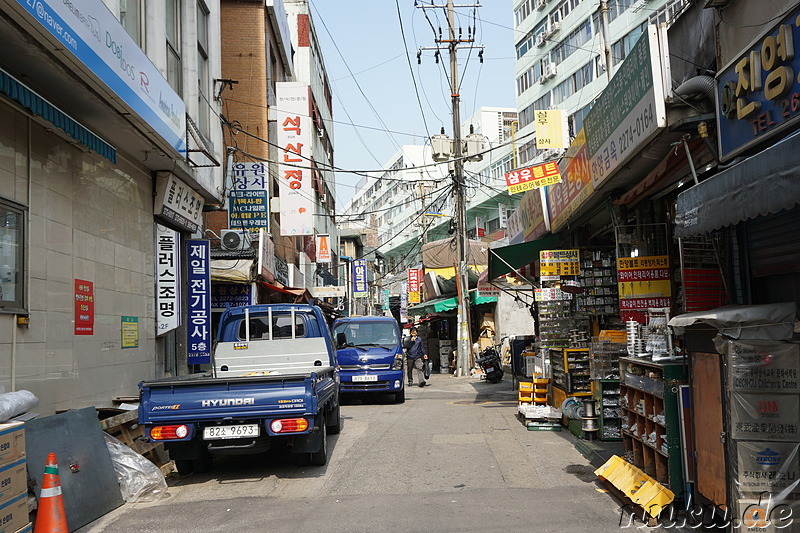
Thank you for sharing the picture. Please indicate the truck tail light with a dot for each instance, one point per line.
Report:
(289, 425)
(169, 432)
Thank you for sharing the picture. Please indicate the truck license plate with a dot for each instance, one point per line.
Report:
(365, 378)
(230, 432)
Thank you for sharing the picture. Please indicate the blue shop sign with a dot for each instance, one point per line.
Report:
(758, 93)
(360, 289)
(199, 297)
(88, 30)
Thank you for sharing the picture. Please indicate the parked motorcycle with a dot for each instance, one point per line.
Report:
(490, 363)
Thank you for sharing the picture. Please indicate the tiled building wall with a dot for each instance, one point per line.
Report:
(89, 220)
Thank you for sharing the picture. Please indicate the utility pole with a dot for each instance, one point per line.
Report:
(464, 345)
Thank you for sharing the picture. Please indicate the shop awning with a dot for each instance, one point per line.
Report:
(507, 258)
(437, 305)
(766, 183)
(474, 299)
(37, 105)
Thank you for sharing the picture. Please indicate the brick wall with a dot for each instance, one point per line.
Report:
(244, 60)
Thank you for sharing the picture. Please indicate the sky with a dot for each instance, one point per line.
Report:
(381, 93)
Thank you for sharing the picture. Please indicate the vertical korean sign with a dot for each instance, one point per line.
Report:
(248, 202)
(403, 302)
(294, 174)
(414, 275)
(84, 307)
(167, 288)
(199, 297)
(360, 278)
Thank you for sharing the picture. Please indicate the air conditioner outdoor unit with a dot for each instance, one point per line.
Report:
(550, 70)
(234, 240)
(540, 4)
(554, 27)
(541, 80)
(541, 40)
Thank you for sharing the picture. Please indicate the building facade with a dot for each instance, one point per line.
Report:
(111, 149)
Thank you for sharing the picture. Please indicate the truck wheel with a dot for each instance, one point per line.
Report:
(335, 416)
(400, 396)
(202, 463)
(320, 457)
(184, 466)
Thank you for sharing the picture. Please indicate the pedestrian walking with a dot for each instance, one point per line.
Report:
(416, 359)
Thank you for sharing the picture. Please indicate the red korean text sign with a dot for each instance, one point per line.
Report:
(84, 307)
(414, 277)
(525, 179)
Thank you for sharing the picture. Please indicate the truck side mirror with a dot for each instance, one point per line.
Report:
(341, 339)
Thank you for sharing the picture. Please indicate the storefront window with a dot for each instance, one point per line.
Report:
(11, 257)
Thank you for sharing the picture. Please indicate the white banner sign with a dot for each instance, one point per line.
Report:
(294, 154)
(323, 249)
(328, 291)
(168, 271)
(178, 202)
(90, 31)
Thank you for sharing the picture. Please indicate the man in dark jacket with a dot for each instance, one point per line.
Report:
(415, 359)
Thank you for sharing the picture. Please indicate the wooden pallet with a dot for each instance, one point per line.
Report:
(125, 427)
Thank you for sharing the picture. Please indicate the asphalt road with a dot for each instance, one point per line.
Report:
(454, 457)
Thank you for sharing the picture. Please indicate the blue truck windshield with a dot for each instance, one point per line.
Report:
(364, 334)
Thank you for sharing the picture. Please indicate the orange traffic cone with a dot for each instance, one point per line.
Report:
(51, 517)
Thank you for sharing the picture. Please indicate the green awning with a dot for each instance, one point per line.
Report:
(29, 99)
(507, 258)
(474, 299)
(437, 305)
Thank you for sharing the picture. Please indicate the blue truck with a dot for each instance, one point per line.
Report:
(370, 355)
(273, 383)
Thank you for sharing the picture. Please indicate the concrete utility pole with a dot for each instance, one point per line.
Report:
(464, 345)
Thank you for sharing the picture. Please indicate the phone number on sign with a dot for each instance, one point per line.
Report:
(643, 125)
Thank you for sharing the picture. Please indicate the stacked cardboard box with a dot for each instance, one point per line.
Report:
(13, 479)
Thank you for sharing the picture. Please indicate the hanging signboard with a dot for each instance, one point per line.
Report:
(630, 111)
(84, 307)
(560, 262)
(758, 93)
(550, 294)
(248, 202)
(552, 131)
(643, 282)
(294, 174)
(198, 328)
(403, 302)
(525, 179)
(323, 248)
(385, 299)
(168, 294)
(360, 289)
(414, 277)
(266, 256)
(564, 198)
(329, 291)
(177, 202)
(230, 294)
